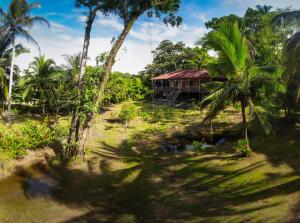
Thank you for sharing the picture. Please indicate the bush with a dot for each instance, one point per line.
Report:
(38, 135)
(33, 135)
(13, 143)
(197, 145)
(127, 113)
(242, 148)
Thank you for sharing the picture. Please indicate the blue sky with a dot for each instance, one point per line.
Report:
(67, 29)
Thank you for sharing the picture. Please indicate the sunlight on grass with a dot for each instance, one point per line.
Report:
(132, 176)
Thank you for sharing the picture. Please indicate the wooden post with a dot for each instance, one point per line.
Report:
(199, 90)
(211, 132)
(153, 95)
(181, 84)
(188, 89)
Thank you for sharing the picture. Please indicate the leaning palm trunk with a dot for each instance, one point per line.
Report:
(75, 123)
(11, 79)
(107, 70)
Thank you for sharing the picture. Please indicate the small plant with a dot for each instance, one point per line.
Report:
(242, 148)
(195, 105)
(197, 145)
(127, 114)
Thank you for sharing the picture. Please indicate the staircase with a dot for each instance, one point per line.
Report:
(173, 96)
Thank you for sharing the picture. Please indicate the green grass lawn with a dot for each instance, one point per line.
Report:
(129, 178)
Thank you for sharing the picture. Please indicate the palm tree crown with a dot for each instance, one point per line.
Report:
(232, 48)
(40, 81)
(17, 20)
(14, 24)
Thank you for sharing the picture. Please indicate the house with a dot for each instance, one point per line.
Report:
(184, 84)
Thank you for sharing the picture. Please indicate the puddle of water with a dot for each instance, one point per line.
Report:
(39, 187)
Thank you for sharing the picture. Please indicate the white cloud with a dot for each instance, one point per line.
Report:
(132, 58)
(244, 4)
(111, 22)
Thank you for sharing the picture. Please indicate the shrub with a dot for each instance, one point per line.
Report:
(242, 148)
(13, 143)
(127, 113)
(197, 145)
(33, 135)
(38, 135)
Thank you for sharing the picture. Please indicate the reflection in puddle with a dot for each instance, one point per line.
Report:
(39, 187)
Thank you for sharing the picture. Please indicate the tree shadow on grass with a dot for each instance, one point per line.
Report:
(156, 186)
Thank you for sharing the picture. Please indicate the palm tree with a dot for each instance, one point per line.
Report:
(14, 24)
(3, 86)
(40, 81)
(72, 67)
(291, 55)
(5, 60)
(232, 47)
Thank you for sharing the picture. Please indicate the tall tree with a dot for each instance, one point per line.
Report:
(266, 43)
(93, 7)
(5, 61)
(129, 11)
(289, 20)
(14, 24)
(39, 82)
(232, 47)
(169, 57)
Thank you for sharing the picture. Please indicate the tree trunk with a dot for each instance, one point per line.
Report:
(245, 130)
(107, 70)
(75, 122)
(44, 109)
(11, 79)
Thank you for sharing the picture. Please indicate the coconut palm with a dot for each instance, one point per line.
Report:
(14, 24)
(72, 67)
(232, 47)
(5, 60)
(40, 82)
(291, 52)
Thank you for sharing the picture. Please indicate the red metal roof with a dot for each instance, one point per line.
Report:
(185, 74)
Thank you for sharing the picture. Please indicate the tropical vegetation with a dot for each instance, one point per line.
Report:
(108, 146)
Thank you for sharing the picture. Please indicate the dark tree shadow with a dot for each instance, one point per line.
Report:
(157, 186)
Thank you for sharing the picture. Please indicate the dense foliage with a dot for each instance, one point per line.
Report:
(33, 135)
(122, 87)
(257, 53)
(169, 57)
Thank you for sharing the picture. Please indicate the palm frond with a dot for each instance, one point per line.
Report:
(218, 100)
(24, 33)
(260, 114)
(229, 42)
(41, 20)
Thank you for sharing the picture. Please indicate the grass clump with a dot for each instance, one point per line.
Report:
(243, 148)
(158, 115)
(197, 145)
